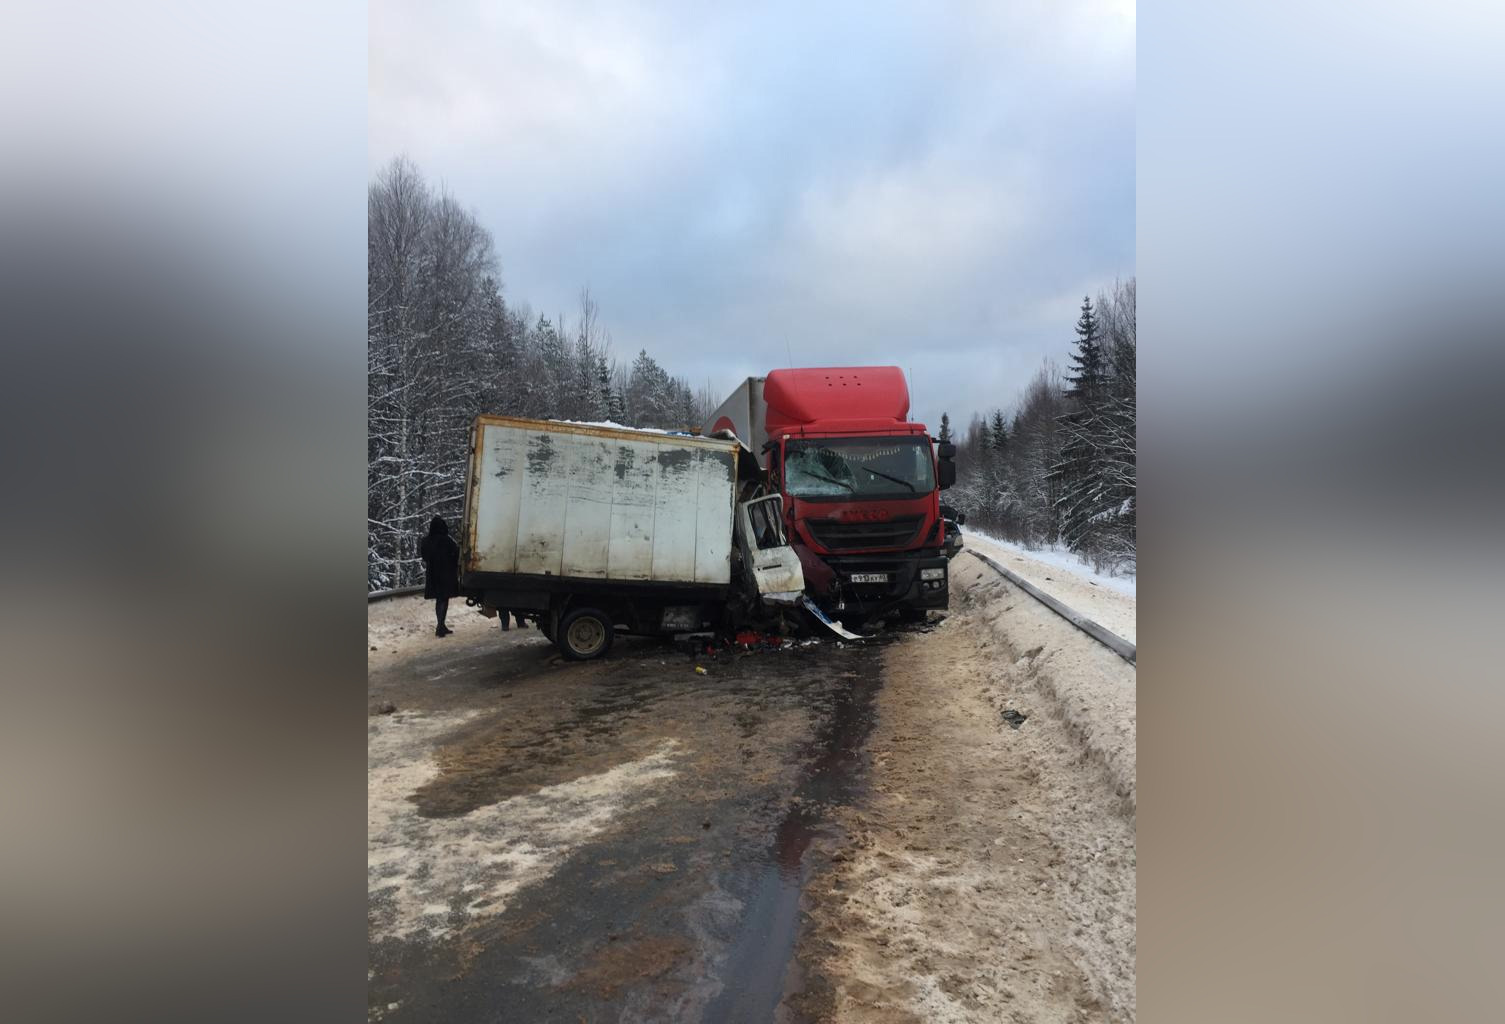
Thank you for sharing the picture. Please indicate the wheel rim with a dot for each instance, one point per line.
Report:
(586, 635)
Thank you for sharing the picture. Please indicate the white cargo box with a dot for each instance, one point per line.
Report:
(568, 500)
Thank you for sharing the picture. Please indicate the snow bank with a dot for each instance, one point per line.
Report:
(1085, 684)
(1105, 600)
(1059, 557)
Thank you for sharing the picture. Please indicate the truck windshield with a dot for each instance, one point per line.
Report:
(861, 467)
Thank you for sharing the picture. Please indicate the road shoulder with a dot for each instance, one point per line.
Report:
(989, 873)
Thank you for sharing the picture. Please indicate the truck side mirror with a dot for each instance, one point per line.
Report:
(945, 452)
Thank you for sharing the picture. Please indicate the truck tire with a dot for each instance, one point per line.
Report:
(585, 634)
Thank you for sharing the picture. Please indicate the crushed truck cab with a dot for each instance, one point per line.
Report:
(859, 484)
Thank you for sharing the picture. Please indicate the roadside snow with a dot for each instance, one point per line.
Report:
(1109, 601)
(1058, 557)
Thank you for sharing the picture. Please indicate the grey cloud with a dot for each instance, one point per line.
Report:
(851, 185)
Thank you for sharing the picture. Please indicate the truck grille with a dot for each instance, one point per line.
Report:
(837, 536)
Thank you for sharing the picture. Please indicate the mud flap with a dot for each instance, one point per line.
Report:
(835, 627)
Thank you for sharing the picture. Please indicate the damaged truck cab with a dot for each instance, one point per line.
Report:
(859, 484)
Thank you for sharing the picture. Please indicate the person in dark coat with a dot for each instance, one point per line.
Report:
(441, 570)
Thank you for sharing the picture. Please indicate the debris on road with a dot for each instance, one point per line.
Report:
(825, 620)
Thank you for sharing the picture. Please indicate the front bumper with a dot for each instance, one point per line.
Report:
(903, 588)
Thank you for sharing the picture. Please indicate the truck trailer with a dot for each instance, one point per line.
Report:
(588, 530)
(860, 485)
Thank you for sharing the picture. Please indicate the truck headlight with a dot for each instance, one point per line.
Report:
(933, 574)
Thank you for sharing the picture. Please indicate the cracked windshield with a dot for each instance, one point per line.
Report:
(865, 467)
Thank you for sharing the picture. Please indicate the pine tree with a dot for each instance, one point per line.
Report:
(1119, 533)
(650, 398)
(945, 436)
(684, 405)
(1000, 432)
(1082, 496)
(1087, 380)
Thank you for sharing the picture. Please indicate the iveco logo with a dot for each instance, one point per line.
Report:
(865, 515)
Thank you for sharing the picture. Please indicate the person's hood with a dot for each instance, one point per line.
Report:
(438, 527)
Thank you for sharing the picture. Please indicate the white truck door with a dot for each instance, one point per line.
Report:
(775, 568)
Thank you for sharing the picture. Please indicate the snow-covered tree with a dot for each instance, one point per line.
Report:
(1095, 472)
(1078, 472)
(1062, 464)
(443, 346)
(650, 394)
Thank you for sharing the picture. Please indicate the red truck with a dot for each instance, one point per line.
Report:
(860, 484)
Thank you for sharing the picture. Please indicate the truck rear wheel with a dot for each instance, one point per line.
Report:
(585, 634)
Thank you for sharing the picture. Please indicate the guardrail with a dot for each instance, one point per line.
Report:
(1113, 641)
(377, 595)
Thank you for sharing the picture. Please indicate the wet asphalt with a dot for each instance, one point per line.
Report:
(688, 907)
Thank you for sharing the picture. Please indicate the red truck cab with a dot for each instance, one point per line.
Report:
(860, 484)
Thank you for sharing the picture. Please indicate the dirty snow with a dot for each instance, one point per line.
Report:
(430, 876)
(399, 627)
(987, 874)
(1088, 686)
(991, 876)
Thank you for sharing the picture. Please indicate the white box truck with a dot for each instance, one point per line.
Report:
(589, 530)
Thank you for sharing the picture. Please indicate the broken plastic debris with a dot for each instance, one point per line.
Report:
(810, 606)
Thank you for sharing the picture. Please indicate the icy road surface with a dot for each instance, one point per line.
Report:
(836, 832)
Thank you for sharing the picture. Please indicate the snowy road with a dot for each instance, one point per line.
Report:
(830, 833)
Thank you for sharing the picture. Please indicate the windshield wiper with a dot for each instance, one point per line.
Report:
(829, 480)
(879, 472)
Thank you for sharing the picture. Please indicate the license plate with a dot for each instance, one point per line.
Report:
(869, 577)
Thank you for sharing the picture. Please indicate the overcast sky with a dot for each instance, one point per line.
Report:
(931, 186)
